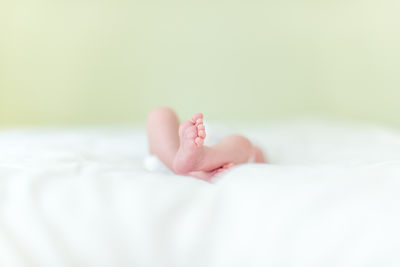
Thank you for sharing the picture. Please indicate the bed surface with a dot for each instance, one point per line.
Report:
(81, 197)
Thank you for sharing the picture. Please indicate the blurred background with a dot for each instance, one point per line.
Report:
(68, 62)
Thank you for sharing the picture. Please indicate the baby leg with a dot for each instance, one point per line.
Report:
(234, 149)
(162, 133)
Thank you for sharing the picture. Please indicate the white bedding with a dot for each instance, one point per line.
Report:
(81, 197)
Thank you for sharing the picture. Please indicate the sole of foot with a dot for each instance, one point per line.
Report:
(191, 134)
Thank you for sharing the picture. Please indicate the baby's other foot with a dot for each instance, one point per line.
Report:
(225, 167)
(208, 175)
(191, 134)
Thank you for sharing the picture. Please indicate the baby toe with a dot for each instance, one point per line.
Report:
(202, 133)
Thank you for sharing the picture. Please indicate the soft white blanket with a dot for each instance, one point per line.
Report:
(81, 197)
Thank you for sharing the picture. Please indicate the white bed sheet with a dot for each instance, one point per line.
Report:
(81, 197)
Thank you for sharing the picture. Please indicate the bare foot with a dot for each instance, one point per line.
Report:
(203, 175)
(190, 152)
(208, 175)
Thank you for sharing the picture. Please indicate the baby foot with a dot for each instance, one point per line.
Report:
(208, 175)
(189, 156)
(224, 168)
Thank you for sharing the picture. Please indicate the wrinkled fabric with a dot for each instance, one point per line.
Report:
(81, 197)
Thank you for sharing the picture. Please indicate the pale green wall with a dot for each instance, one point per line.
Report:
(72, 62)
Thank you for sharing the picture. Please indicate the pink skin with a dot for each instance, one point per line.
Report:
(181, 148)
